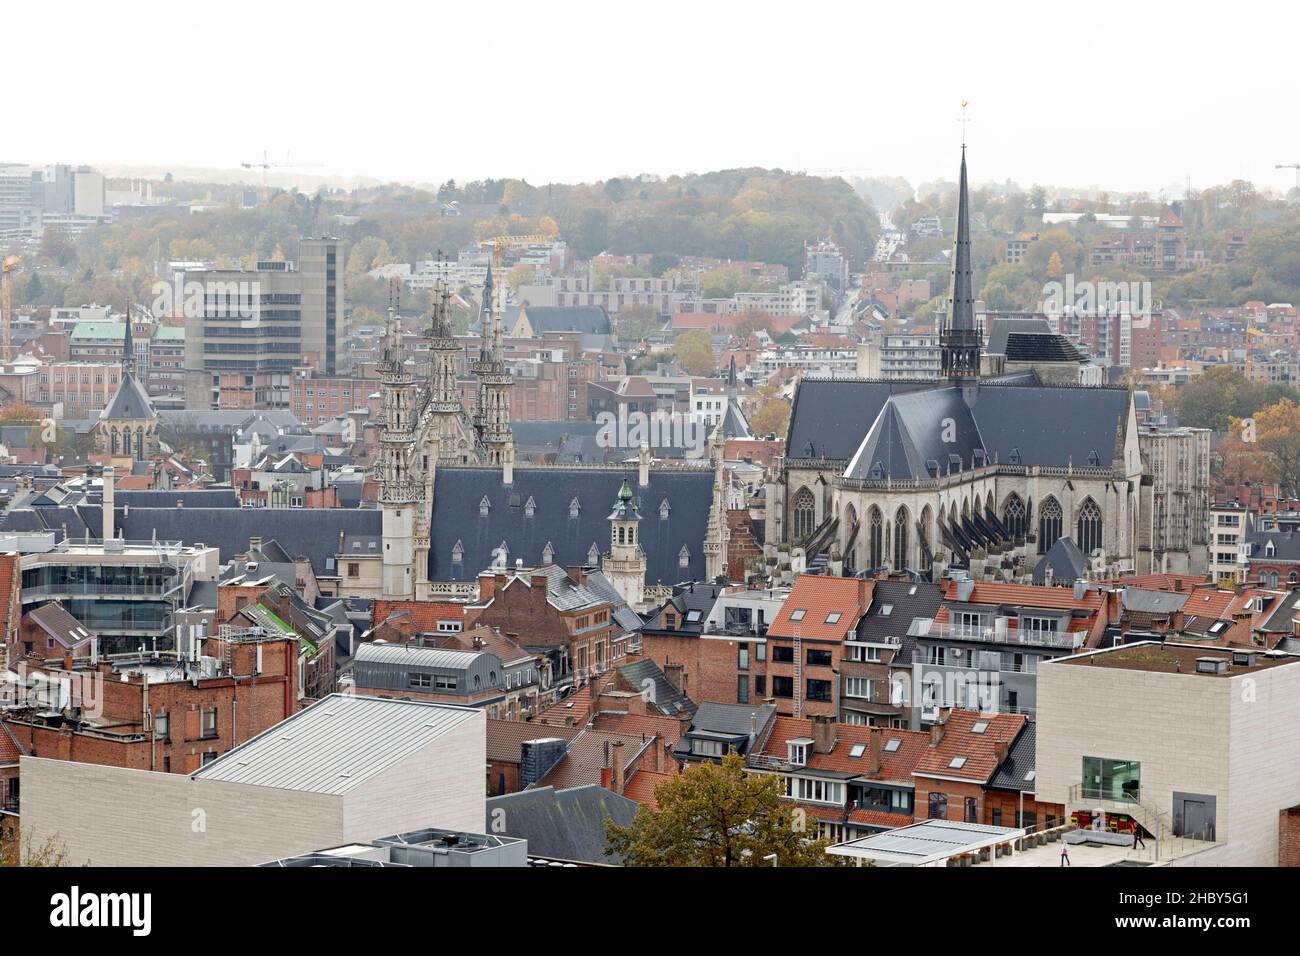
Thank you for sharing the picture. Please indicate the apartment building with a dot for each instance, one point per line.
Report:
(1227, 534)
(255, 327)
(1194, 744)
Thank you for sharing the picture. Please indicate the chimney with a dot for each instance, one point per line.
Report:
(676, 674)
(873, 752)
(110, 474)
(1048, 575)
(937, 728)
(508, 464)
(823, 733)
(643, 465)
(487, 585)
(1000, 749)
(617, 757)
(1080, 589)
(255, 543)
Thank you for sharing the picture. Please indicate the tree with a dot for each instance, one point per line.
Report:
(17, 850)
(522, 274)
(716, 814)
(1211, 399)
(1277, 429)
(1240, 461)
(695, 351)
(19, 413)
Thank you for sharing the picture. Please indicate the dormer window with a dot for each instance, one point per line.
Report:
(484, 507)
(593, 554)
(664, 509)
(548, 554)
(797, 751)
(457, 553)
(684, 557)
(574, 508)
(1268, 548)
(530, 507)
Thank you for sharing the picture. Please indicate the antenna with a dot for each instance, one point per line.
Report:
(964, 119)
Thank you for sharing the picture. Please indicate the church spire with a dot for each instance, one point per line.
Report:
(960, 338)
(128, 348)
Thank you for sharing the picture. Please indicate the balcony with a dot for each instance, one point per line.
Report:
(1005, 635)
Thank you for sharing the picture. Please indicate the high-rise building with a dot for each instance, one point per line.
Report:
(246, 330)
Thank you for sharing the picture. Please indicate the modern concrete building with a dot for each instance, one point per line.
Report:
(246, 331)
(1194, 744)
(339, 772)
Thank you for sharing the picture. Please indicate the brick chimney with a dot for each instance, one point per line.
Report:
(487, 585)
(617, 758)
(1000, 748)
(937, 728)
(823, 734)
(873, 752)
(676, 674)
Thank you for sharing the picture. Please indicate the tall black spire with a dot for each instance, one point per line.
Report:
(960, 337)
(128, 349)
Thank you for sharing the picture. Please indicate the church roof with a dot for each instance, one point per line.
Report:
(1030, 425)
(130, 403)
(567, 510)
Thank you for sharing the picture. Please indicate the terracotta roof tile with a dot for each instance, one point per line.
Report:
(505, 738)
(642, 784)
(896, 765)
(977, 750)
(820, 597)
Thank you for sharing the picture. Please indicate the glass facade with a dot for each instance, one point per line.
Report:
(1105, 779)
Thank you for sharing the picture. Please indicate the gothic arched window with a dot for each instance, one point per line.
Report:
(923, 538)
(804, 513)
(875, 538)
(1013, 516)
(1090, 532)
(901, 519)
(1049, 524)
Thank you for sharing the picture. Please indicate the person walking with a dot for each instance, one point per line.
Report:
(1065, 855)
(1137, 839)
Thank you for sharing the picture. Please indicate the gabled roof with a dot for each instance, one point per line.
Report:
(977, 751)
(850, 755)
(130, 403)
(505, 738)
(895, 605)
(561, 824)
(831, 608)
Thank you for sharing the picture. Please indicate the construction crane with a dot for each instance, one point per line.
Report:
(7, 270)
(498, 245)
(266, 164)
(1295, 166)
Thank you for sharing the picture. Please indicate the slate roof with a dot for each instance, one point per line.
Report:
(1153, 602)
(692, 598)
(587, 319)
(130, 403)
(561, 824)
(312, 532)
(461, 490)
(906, 600)
(1012, 772)
(1286, 546)
(1067, 562)
(1030, 425)
(199, 498)
(668, 700)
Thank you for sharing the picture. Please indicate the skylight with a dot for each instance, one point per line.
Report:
(1029, 777)
(797, 614)
(886, 610)
(892, 745)
(956, 763)
(692, 617)
(833, 617)
(858, 750)
(979, 727)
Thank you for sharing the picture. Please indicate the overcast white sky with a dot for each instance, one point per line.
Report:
(1122, 95)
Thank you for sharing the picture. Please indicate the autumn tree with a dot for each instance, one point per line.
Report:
(17, 850)
(19, 413)
(695, 351)
(716, 814)
(1277, 431)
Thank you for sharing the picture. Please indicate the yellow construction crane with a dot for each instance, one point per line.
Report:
(499, 244)
(7, 270)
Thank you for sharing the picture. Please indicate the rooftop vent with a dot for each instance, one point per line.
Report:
(1243, 658)
(1212, 665)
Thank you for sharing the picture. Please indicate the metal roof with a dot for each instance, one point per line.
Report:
(380, 653)
(927, 842)
(336, 744)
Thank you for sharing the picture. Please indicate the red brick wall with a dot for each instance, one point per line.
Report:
(709, 666)
(1288, 837)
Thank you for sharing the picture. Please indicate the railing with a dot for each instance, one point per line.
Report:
(1164, 842)
(1010, 635)
(921, 657)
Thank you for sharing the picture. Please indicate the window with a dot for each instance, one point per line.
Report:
(956, 763)
(971, 811)
(819, 690)
(892, 745)
(707, 748)
(782, 655)
(1049, 525)
(782, 686)
(833, 617)
(875, 538)
(797, 752)
(420, 680)
(354, 569)
(160, 726)
(901, 521)
(742, 657)
(1013, 517)
(804, 512)
(819, 658)
(797, 614)
(814, 790)
(860, 687)
(937, 806)
(1090, 530)
(1105, 779)
(742, 689)
(208, 723)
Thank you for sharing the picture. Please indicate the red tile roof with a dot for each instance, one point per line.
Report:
(505, 738)
(642, 784)
(819, 596)
(896, 766)
(582, 764)
(979, 751)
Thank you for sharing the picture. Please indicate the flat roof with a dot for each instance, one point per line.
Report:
(1175, 658)
(336, 744)
(929, 841)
